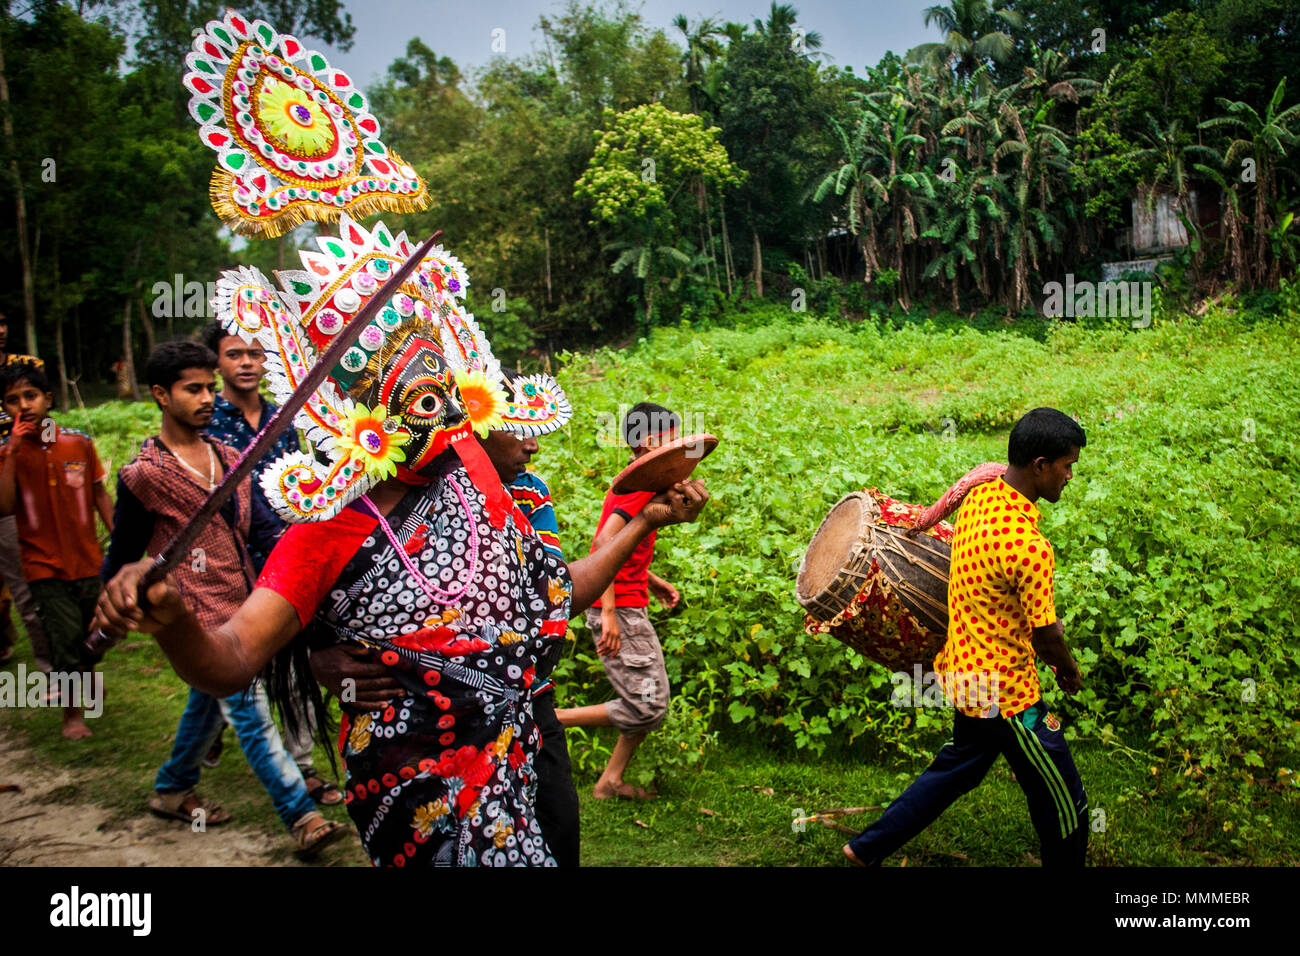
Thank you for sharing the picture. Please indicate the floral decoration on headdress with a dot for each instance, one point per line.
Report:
(484, 401)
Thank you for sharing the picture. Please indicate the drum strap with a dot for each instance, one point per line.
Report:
(952, 498)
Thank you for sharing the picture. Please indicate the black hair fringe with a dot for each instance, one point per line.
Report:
(293, 689)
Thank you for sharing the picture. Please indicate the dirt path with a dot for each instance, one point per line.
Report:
(38, 828)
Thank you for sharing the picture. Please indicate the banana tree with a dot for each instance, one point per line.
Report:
(1263, 142)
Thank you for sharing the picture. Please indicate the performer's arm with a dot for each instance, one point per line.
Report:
(1049, 644)
(372, 685)
(218, 662)
(595, 573)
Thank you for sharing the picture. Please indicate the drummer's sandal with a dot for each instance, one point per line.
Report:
(312, 832)
(188, 807)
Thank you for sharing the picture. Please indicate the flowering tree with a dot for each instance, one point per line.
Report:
(643, 180)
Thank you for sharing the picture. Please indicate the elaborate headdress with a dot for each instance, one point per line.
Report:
(289, 151)
(293, 137)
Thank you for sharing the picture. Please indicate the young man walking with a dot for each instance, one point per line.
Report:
(1001, 619)
(238, 413)
(158, 493)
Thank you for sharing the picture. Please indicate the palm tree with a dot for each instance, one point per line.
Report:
(1044, 161)
(883, 171)
(780, 22)
(974, 32)
(703, 47)
(865, 190)
(1049, 79)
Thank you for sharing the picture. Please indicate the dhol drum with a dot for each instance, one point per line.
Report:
(870, 584)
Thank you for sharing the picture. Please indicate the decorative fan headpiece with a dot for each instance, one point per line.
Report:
(294, 142)
(355, 445)
(293, 137)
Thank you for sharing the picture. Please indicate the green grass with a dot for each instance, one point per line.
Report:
(748, 826)
(745, 824)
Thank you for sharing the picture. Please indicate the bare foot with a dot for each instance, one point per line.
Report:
(624, 790)
(852, 856)
(75, 729)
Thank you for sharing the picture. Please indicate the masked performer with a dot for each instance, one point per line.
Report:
(404, 540)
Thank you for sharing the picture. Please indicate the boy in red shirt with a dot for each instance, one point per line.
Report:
(625, 638)
(51, 479)
(11, 573)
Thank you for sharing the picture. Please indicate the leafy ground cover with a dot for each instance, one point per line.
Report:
(1177, 574)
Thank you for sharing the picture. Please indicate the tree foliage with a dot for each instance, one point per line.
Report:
(967, 179)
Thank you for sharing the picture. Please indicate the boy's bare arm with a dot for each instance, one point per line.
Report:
(664, 593)
(608, 531)
(104, 505)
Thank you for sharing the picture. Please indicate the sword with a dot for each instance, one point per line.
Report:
(170, 556)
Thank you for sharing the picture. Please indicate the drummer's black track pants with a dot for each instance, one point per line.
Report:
(1043, 767)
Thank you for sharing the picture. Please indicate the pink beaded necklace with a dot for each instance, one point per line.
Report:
(434, 593)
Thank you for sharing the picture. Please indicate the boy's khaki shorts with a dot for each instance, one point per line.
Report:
(636, 672)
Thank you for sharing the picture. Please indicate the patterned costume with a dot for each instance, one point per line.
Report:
(445, 776)
(452, 588)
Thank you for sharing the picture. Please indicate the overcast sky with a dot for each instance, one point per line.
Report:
(854, 34)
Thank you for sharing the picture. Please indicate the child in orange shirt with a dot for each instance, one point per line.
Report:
(51, 479)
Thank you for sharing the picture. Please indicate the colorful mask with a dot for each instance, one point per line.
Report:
(417, 389)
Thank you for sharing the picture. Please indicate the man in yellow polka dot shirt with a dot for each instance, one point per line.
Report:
(1001, 618)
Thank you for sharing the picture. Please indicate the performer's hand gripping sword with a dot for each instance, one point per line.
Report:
(179, 546)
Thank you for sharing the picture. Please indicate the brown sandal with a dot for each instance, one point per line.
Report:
(184, 804)
(324, 793)
(308, 842)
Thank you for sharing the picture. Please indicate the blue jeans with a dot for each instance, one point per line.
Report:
(1043, 767)
(250, 714)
